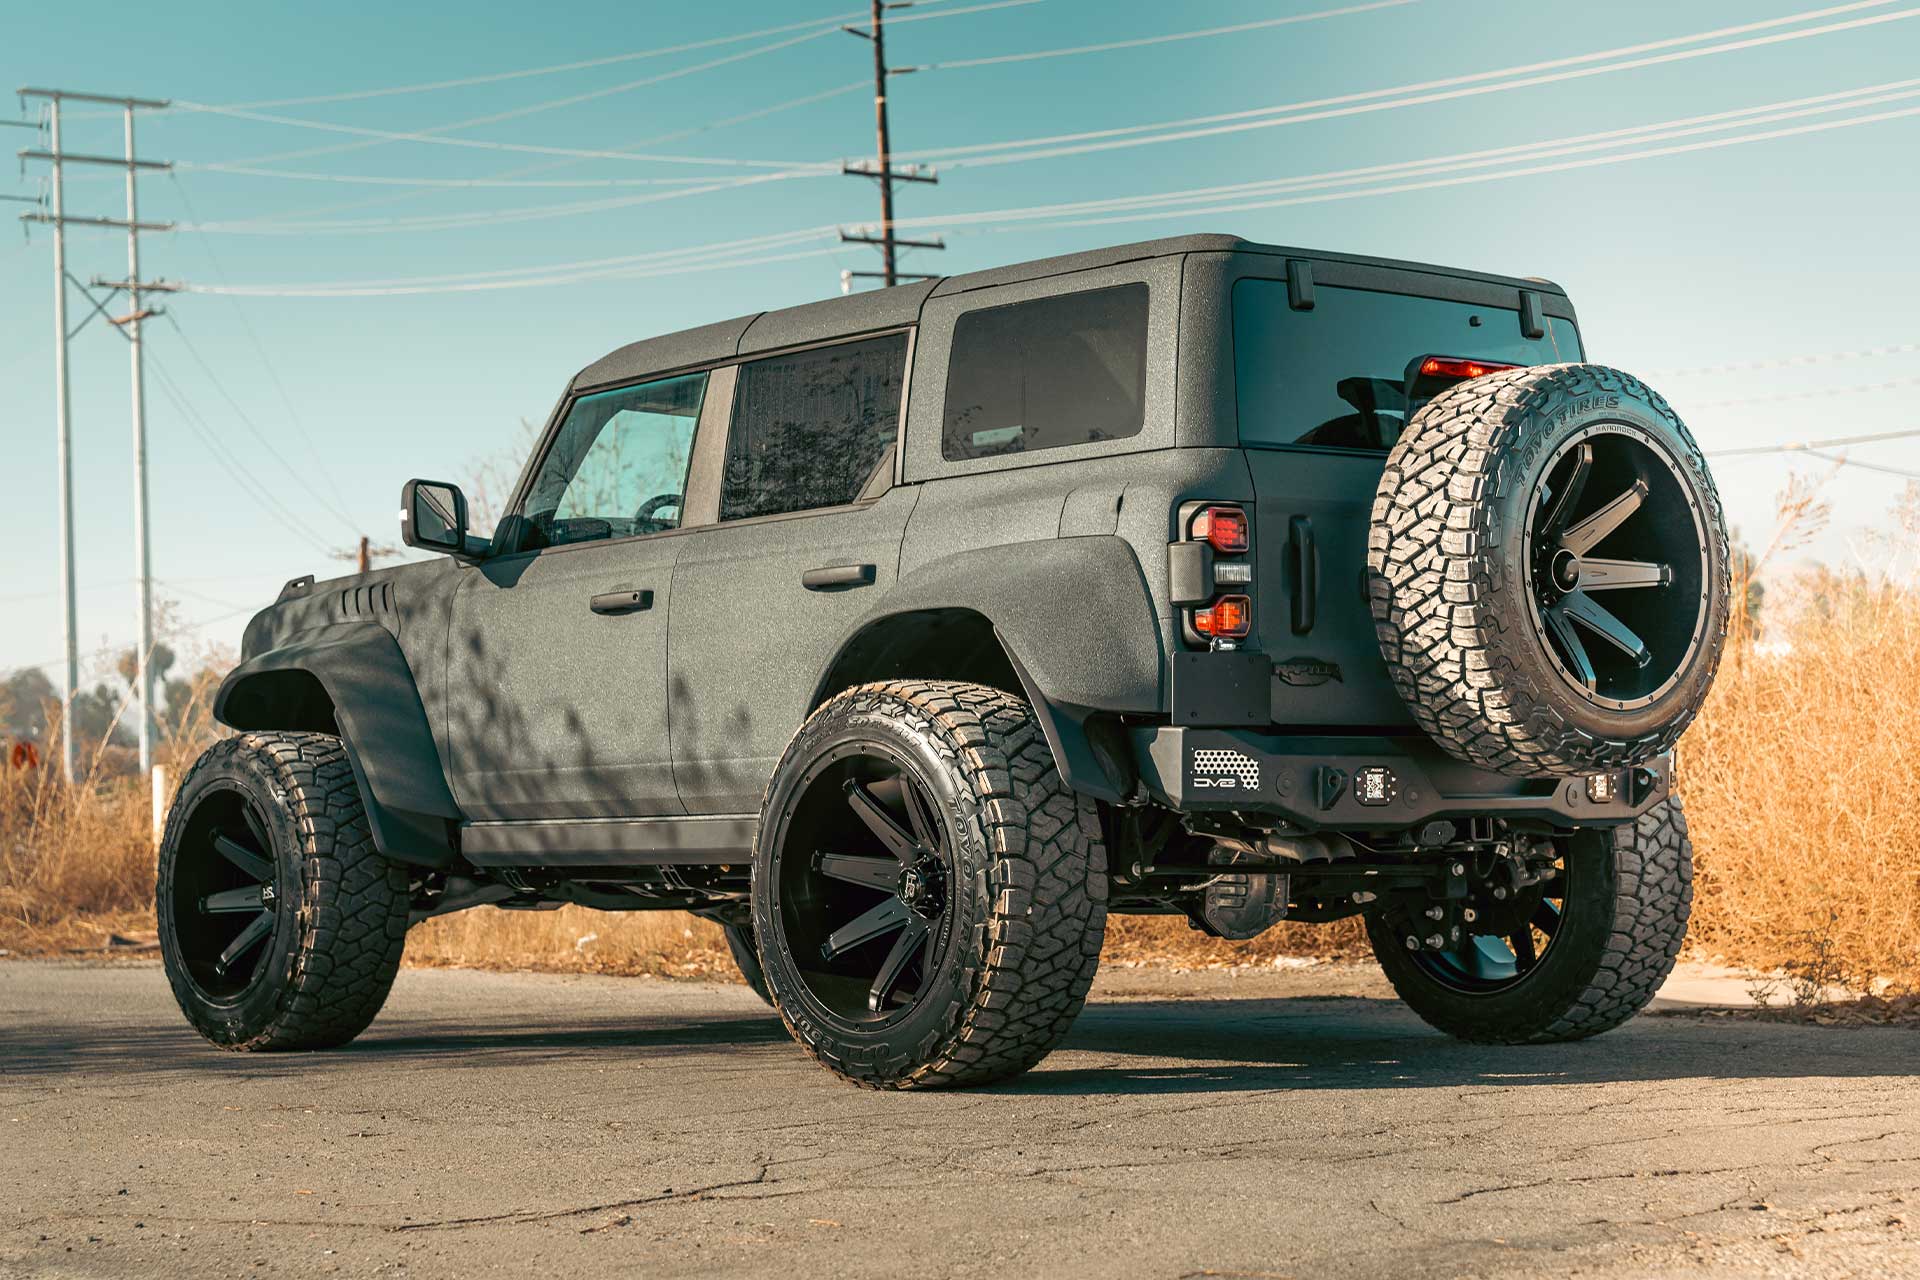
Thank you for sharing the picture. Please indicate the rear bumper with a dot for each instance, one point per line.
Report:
(1371, 782)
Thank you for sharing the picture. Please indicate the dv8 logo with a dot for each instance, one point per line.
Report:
(1223, 769)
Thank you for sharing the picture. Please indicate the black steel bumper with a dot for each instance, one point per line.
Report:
(1371, 782)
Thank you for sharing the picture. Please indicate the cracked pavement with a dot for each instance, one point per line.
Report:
(1267, 1124)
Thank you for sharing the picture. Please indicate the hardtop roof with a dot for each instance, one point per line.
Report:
(880, 309)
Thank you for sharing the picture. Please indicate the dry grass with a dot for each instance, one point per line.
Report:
(1796, 780)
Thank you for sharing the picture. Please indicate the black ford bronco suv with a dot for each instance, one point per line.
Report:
(908, 634)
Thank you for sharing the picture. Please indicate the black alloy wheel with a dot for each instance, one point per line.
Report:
(281, 924)
(226, 899)
(863, 887)
(928, 895)
(1617, 562)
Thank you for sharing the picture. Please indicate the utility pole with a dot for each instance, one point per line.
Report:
(883, 170)
(129, 325)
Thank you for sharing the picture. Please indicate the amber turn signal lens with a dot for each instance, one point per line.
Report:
(1223, 527)
(1226, 618)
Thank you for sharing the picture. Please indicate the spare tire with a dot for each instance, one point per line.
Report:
(1548, 571)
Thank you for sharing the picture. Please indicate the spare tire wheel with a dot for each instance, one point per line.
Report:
(1548, 571)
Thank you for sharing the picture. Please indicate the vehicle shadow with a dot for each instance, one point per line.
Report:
(1116, 1048)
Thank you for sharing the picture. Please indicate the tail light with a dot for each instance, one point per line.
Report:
(1227, 618)
(1460, 367)
(1224, 528)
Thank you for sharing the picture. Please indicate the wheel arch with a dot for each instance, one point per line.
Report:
(1003, 617)
(352, 681)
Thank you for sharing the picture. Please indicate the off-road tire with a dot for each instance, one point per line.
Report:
(1448, 587)
(1029, 879)
(342, 910)
(746, 957)
(1619, 935)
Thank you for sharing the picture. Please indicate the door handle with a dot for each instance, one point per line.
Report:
(837, 577)
(626, 601)
(1306, 573)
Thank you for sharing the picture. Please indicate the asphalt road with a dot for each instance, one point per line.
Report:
(515, 1125)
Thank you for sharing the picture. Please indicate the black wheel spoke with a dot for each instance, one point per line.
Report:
(1576, 483)
(881, 823)
(1618, 575)
(250, 937)
(1590, 532)
(870, 873)
(918, 815)
(254, 825)
(911, 942)
(1594, 616)
(259, 868)
(1574, 648)
(250, 898)
(1523, 952)
(1546, 918)
(873, 923)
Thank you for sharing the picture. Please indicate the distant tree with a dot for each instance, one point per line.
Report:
(25, 697)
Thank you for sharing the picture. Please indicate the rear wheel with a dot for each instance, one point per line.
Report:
(281, 926)
(928, 896)
(1576, 954)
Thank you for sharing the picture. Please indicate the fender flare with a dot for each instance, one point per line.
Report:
(1076, 621)
(375, 708)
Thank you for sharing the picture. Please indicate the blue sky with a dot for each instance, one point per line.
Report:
(1755, 252)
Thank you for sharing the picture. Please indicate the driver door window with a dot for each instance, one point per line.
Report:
(618, 465)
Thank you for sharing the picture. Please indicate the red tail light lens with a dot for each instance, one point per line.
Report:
(1227, 618)
(1224, 527)
(1457, 367)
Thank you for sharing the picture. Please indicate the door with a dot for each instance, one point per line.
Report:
(557, 653)
(1323, 393)
(808, 539)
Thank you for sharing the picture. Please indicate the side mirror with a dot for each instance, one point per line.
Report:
(433, 517)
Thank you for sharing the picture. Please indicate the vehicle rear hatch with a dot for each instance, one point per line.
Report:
(1326, 378)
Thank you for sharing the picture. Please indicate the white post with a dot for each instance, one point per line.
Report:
(159, 780)
(143, 558)
(62, 402)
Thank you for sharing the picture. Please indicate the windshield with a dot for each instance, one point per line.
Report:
(1342, 375)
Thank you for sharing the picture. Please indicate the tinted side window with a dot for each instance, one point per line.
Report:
(618, 464)
(1344, 374)
(809, 429)
(1048, 373)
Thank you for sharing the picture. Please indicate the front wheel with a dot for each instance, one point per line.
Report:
(1575, 955)
(928, 895)
(281, 926)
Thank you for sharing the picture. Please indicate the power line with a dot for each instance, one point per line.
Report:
(1046, 147)
(1170, 38)
(1375, 180)
(482, 286)
(1788, 362)
(255, 431)
(585, 64)
(247, 482)
(1859, 388)
(490, 217)
(260, 349)
(578, 266)
(1444, 182)
(1809, 446)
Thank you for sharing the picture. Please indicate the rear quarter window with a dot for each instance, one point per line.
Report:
(1047, 374)
(1339, 375)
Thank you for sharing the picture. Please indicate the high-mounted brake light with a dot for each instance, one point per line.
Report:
(1223, 527)
(1227, 618)
(1457, 367)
